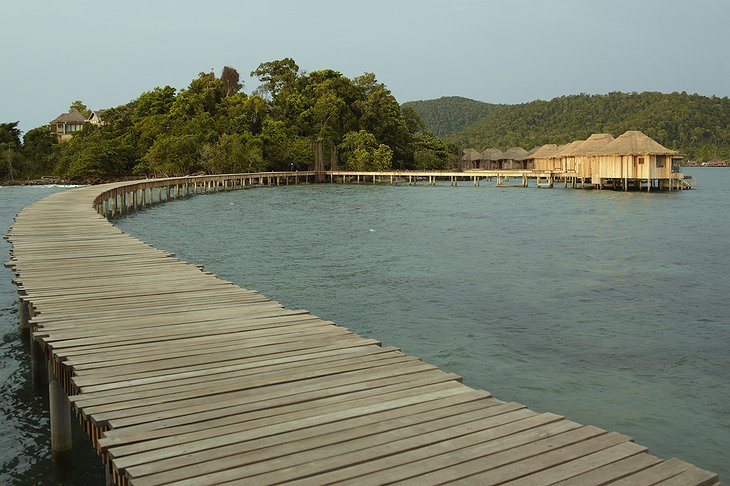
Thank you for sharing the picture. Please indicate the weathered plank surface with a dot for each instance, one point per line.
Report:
(180, 377)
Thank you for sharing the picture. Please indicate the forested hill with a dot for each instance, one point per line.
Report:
(697, 126)
(451, 114)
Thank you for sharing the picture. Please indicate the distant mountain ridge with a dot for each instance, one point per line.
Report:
(695, 125)
(451, 114)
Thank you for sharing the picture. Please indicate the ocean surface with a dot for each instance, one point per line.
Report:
(609, 308)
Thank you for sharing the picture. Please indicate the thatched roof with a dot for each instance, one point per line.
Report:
(73, 116)
(492, 154)
(547, 151)
(594, 144)
(471, 154)
(569, 149)
(515, 153)
(635, 143)
(532, 151)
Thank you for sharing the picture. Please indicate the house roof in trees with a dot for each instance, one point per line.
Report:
(546, 151)
(635, 142)
(515, 153)
(492, 154)
(594, 144)
(73, 116)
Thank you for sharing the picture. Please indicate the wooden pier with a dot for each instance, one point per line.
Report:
(180, 377)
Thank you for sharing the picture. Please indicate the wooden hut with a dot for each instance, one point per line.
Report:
(585, 155)
(514, 159)
(491, 158)
(470, 159)
(632, 158)
(567, 155)
(546, 157)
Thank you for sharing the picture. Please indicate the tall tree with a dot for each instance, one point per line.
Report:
(230, 80)
(10, 133)
(276, 76)
(81, 107)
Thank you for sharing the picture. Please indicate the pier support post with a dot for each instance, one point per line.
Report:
(23, 318)
(60, 412)
(38, 370)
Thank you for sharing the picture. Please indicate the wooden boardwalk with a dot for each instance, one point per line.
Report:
(180, 377)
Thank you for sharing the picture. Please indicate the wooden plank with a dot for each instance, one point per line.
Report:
(245, 411)
(218, 464)
(285, 349)
(655, 474)
(181, 411)
(183, 392)
(612, 472)
(693, 476)
(398, 463)
(239, 372)
(579, 466)
(293, 467)
(155, 450)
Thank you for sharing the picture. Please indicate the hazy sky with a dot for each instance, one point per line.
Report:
(504, 51)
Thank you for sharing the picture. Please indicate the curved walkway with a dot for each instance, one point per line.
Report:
(179, 376)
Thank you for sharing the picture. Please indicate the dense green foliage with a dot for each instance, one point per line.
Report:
(294, 120)
(697, 126)
(451, 114)
(322, 119)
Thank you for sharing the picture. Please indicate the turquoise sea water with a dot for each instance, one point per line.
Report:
(610, 308)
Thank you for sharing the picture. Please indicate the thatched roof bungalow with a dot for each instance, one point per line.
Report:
(546, 157)
(490, 158)
(567, 155)
(470, 159)
(514, 158)
(633, 155)
(585, 155)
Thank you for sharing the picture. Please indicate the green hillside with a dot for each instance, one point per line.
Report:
(697, 126)
(451, 114)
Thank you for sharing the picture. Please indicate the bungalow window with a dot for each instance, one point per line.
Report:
(661, 161)
(641, 160)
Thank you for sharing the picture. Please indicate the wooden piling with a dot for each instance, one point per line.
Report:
(60, 417)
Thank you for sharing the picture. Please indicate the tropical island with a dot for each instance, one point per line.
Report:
(297, 120)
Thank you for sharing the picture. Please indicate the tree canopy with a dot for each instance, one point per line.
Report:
(323, 119)
(293, 120)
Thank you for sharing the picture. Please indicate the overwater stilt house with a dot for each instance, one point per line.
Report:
(491, 159)
(585, 155)
(470, 159)
(546, 157)
(567, 155)
(634, 158)
(515, 159)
